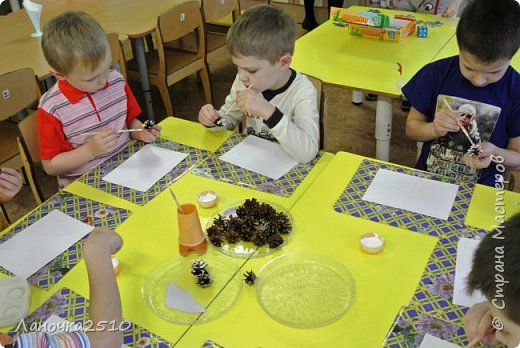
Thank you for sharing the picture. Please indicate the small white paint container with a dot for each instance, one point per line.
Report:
(371, 243)
(207, 199)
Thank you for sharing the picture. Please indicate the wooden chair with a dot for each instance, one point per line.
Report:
(116, 48)
(30, 151)
(216, 13)
(18, 91)
(4, 223)
(167, 66)
(318, 84)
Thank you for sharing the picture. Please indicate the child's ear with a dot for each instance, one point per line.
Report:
(57, 75)
(285, 61)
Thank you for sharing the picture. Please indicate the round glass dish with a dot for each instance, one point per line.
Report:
(243, 249)
(305, 290)
(178, 271)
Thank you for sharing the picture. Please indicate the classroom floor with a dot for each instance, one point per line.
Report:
(349, 128)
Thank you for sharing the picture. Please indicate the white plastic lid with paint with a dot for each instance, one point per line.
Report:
(14, 300)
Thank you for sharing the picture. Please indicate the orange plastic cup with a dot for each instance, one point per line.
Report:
(191, 238)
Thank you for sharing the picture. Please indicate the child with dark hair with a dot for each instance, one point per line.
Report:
(496, 273)
(488, 35)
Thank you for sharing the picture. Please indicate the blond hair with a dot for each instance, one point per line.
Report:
(264, 32)
(74, 39)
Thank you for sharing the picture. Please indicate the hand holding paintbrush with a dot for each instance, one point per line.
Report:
(220, 121)
(475, 150)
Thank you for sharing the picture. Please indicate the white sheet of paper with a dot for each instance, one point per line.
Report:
(465, 250)
(38, 244)
(60, 323)
(178, 299)
(260, 156)
(419, 195)
(430, 341)
(145, 167)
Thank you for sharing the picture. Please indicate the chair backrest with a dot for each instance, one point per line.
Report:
(178, 22)
(318, 84)
(28, 145)
(18, 90)
(216, 10)
(4, 223)
(29, 132)
(118, 56)
(29, 148)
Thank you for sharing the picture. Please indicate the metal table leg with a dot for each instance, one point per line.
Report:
(138, 49)
(357, 97)
(383, 130)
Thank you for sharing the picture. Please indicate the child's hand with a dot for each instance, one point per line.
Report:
(103, 142)
(252, 102)
(477, 323)
(445, 121)
(208, 115)
(104, 241)
(483, 160)
(147, 135)
(10, 183)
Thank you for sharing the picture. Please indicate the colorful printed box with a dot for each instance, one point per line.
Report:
(374, 24)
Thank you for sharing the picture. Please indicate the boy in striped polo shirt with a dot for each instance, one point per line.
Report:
(89, 97)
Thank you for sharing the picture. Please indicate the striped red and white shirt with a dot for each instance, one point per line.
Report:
(74, 339)
(65, 113)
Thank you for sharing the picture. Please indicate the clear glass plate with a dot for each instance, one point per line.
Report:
(178, 270)
(305, 290)
(243, 249)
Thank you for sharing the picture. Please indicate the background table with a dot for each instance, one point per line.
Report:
(332, 55)
(451, 49)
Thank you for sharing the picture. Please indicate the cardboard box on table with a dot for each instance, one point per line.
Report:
(374, 24)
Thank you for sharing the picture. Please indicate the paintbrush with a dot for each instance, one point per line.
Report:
(476, 340)
(473, 342)
(119, 131)
(179, 206)
(219, 120)
(460, 125)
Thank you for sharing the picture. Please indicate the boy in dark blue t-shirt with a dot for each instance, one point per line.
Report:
(472, 98)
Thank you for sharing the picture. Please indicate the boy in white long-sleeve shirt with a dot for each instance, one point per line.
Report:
(278, 102)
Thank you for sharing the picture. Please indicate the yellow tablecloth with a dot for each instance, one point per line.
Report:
(384, 282)
(150, 233)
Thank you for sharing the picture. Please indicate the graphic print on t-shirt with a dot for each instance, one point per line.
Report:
(447, 152)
